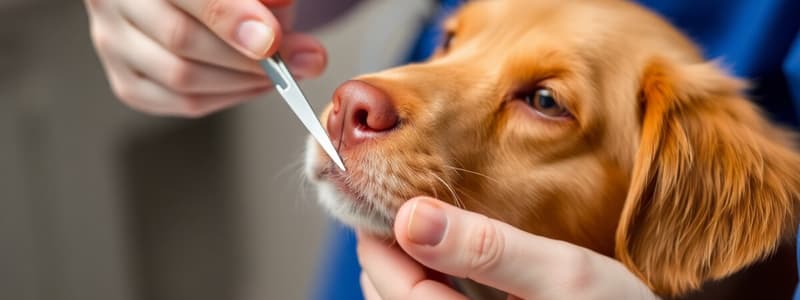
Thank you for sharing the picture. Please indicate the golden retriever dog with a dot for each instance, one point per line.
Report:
(592, 122)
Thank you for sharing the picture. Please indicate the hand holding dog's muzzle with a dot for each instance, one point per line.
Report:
(468, 245)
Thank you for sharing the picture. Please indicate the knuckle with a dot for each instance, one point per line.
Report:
(180, 76)
(192, 108)
(124, 92)
(214, 11)
(576, 268)
(94, 4)
(128, 96)
(100, 38)
(360, 251)
(181, 36)
(486, 246)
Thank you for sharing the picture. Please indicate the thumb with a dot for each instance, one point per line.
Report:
(470, 245)
(247, 25)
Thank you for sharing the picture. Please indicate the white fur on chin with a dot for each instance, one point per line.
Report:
(349, 212)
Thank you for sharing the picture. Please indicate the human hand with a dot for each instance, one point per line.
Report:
(193, 57)
(463, 244)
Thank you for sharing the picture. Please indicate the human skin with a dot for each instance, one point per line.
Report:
(433, 234)
(190, 58)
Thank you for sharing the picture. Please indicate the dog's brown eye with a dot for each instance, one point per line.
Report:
(543, 101)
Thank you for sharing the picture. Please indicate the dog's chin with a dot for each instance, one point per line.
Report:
(357, 213)
(341, 202)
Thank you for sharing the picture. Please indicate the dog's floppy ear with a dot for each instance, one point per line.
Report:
(714, 186)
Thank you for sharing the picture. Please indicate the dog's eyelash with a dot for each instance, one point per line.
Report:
(448, 40)
(529, 94)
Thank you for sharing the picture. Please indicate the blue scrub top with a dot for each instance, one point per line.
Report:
(758, 39)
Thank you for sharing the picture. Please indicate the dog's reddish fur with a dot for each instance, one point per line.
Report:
(714, 186)
(663, 164)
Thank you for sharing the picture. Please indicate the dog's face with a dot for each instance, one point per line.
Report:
(583, 121)
(527, 113)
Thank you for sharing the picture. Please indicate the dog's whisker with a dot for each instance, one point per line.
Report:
(294, 164)
(471, 172)
(433, 188)
(456, 199)
(463, 204)
(469, 197)
(287, 171)
(304, 185)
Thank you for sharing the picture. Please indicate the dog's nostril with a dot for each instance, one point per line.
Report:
(360, 119)
(359, 108)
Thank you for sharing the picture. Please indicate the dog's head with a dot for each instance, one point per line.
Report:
(593, 122)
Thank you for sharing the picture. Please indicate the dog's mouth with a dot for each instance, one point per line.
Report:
(347, 196)
(343, 183)
(380, 177)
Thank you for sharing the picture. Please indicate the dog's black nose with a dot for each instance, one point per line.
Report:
(360, 112)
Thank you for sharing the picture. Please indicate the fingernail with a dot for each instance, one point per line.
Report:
(305, 63)
(427, 223)
(255, 36)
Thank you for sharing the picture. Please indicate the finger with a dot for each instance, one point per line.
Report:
(181, 34)
(392, 273)
(305, 56)
(247, 25)
(370, 293)
(470, 245)
(277, 3)
(124, 83)
(153, 98)
(182, 75)
(395, 276)
(285, 16)
(143, 94)
(93, 6)
(184, 36)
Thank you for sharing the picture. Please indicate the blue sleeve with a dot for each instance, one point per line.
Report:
(792, 70)
(755, 39)
(338, 276)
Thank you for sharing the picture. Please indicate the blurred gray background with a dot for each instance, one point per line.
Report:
(101, 202)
